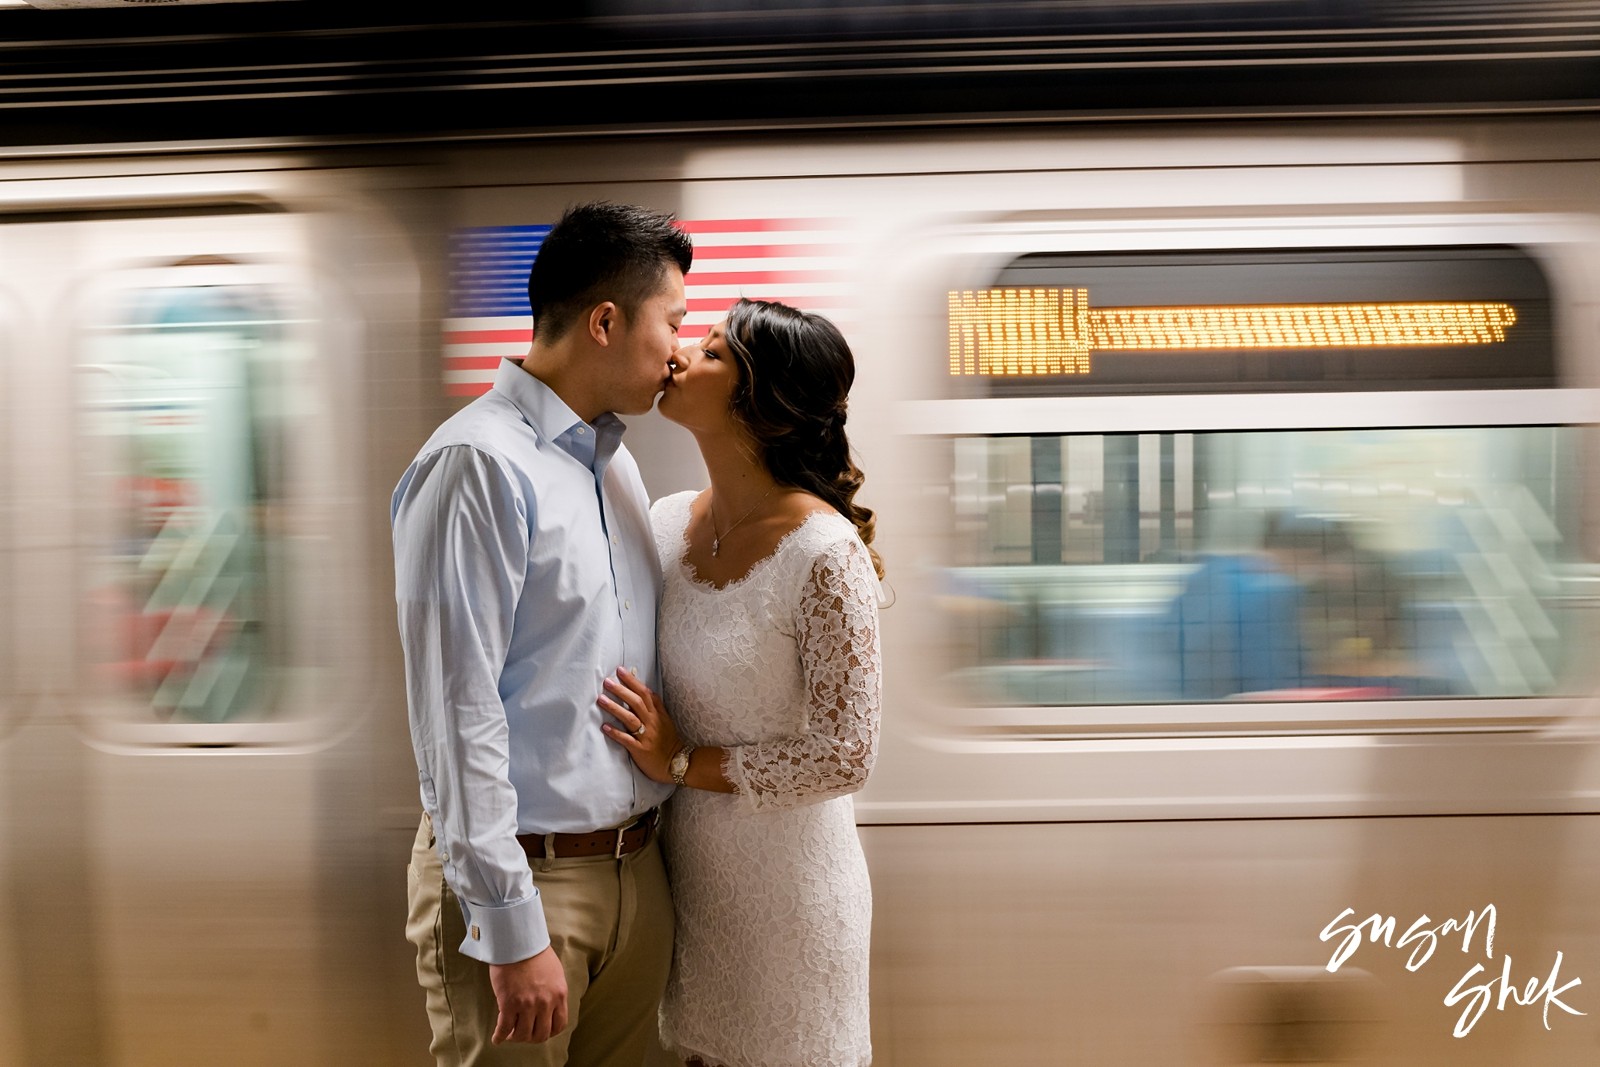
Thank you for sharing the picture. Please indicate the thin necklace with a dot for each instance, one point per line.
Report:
(716, 538)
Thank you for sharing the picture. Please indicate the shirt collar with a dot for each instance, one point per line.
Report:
(554, 421)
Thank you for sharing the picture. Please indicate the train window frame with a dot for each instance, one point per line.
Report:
(972, 255)
(324, 470)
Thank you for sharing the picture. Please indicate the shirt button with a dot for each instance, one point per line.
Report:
(444, 857)
(615, 540)
(627, 605)
(580, 431)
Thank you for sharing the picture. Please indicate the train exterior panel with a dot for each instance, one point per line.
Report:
(1088, 843)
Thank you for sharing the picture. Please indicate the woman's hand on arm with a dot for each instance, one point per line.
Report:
(647, 732)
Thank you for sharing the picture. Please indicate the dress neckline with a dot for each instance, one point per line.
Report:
(692, 577)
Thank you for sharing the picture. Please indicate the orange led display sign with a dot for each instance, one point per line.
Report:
(1053, 331)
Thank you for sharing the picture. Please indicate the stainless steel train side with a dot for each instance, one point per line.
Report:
(214, 366)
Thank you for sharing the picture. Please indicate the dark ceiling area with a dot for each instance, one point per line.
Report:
(300, 69)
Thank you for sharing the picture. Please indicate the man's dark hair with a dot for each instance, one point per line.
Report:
(600, 252)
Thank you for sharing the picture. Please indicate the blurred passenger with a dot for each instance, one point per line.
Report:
(1309, 610)
(1235, 627)
(769, 652)
(1356, 612)
(525, 574)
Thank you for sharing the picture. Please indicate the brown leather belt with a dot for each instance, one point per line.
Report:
(617, 843)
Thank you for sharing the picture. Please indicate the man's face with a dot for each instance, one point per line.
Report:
(643, 344)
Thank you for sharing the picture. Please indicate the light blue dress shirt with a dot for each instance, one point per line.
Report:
(525, 574)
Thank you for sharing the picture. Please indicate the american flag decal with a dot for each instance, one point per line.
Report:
(797, 261)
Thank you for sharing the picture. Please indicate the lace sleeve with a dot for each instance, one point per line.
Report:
(836, 627)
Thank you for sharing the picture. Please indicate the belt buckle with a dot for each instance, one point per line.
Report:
(645, 822)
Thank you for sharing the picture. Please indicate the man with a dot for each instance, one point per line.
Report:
(525, 574)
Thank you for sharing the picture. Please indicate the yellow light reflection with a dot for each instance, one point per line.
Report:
(1052, 331)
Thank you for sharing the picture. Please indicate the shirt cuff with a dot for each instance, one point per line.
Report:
(505, 935)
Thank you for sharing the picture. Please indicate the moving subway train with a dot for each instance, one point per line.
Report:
(1236, 483)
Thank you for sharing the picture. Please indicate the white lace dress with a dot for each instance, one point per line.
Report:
(774, 909)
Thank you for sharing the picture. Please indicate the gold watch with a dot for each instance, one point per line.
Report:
(678, 766)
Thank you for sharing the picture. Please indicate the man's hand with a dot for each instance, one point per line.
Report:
(532, 996)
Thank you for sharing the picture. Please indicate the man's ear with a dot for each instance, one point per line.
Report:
(602, 317)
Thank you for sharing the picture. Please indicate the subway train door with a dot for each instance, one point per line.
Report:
(170, 676)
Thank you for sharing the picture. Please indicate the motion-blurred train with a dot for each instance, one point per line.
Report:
(1236, 485)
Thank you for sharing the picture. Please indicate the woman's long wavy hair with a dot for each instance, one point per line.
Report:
(795, 372)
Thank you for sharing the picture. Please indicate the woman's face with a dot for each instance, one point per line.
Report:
(699, 395)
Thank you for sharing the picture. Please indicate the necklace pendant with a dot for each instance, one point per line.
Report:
(716, 538)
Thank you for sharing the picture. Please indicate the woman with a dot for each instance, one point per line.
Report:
(770, 665)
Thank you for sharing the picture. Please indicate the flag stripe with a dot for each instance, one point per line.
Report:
(759, 277)
(775, 264)
(477, 362)
(479, 337)
(803, 301)
(762, 252)
(495, 322)
(696, 226)
(768, 290)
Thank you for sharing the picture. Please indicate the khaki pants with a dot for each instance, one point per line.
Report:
(611, 925)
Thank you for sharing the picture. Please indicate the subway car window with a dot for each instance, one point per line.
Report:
(1305, 563)
(1288, 565)
(192, 396)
